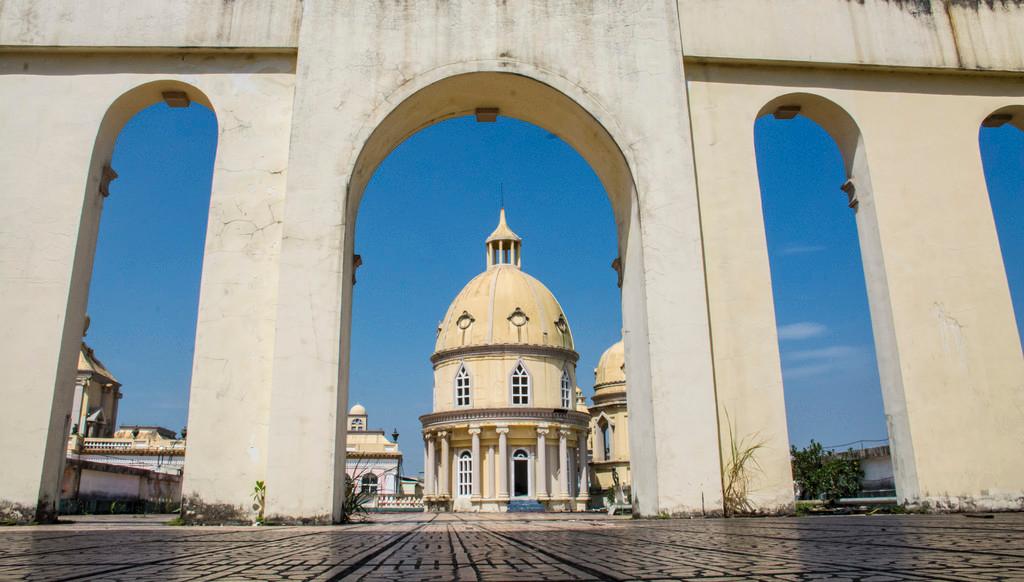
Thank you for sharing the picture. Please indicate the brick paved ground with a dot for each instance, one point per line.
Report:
(526, 547)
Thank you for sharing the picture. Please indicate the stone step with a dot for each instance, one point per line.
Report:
(525, 506)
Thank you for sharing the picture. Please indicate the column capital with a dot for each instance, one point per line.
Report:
(474, 429)
(565, 431)
(542, 429)
(442, 434)
(501, 429)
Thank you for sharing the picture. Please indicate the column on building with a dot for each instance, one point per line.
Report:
(581, 450)
(541, 473)
(502, 461)
(445, 466)
(474, 431)
(429, 486)
(563, 463)
(492, 476)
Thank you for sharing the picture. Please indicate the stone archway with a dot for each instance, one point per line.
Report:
(546, 101)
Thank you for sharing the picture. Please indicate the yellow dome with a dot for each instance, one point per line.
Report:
(504, 305)
(611, 367)
(357, 410)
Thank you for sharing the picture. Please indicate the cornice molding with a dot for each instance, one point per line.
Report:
(503, 350)
(487, 416)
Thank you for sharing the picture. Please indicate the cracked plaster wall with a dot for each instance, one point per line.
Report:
(52, 206)
(947, 347)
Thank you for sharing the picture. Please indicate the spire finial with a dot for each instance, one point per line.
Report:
(503, 246)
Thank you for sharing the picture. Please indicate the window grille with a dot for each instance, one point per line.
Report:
(520, 385)
(566, 390)
(465, 474)
(369, 484)
(462, 387)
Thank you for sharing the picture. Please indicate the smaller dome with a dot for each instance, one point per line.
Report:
(611, 368)
(357, 410)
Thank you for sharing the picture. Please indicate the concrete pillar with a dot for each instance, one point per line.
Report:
(474, 432)
(429, 485)
(949, 353)
(491, 475)
(541, 471)
(563, 462)
(581, 450)
(502, 462)
(446, 471)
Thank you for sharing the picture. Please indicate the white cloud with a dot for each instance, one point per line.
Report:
(807, 371)
(801, 330)
(827, 353)
(807, 363)
(801, 249)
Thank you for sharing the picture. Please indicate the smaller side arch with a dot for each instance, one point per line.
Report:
(849, 139)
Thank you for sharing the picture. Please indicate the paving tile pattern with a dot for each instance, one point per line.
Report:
(525, 547)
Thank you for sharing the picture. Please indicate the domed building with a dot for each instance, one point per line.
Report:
(610, 419)
(506, 429)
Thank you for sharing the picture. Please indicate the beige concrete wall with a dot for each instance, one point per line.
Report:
(946, 34)
(625, 83)
(948, 352)
(185, 24)
(50, 217)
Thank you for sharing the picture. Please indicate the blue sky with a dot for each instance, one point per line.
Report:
(420, 232)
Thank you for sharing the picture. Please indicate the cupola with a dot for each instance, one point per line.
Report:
(504, 247)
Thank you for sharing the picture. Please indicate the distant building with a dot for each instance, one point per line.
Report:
(135, 467)
(876, 463)
(609, 420)
(97, 394)
(371, 459)
(505, 432)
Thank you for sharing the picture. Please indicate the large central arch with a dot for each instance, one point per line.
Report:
(565, 110)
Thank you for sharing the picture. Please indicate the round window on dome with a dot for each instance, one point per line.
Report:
(518, 317)
(465, 320)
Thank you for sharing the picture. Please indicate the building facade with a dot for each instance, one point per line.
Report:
(97, 395)
(372, 461)
(609, 421)
(505, 425)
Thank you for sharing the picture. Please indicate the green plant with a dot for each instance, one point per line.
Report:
(177, 520)
(738, 470)
(355, 502)
(824, 475)
(259, 500)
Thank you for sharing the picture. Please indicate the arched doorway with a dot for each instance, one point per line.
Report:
(521, 474)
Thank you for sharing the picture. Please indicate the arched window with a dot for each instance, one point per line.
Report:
(357, 424)
(520, 384)
(462, 386)
(465, 476)
(369, 484)
(606, 440)
(566, 389)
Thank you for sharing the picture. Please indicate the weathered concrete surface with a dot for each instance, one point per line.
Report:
(940, 34)
(50, 217)
(98, 24)
(418, 50)
(948, 349)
